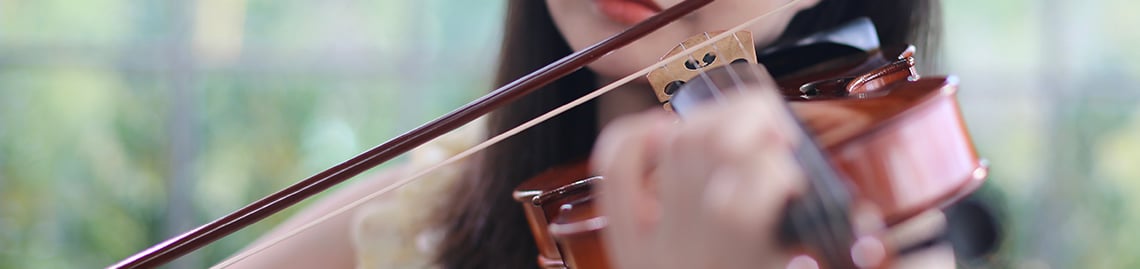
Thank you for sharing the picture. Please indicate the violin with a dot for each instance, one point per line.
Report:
(907, 153)
(562, 218)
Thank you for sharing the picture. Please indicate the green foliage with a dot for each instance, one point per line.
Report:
(105, 104)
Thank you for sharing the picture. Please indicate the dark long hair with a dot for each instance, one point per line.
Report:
(485, 227)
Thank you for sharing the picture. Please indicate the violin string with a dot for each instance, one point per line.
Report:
(491, 141)
(739, 82)
(717, 96)
(701, 66)
(798, 227)
(700, 71)
(816, 204)
(831, 196)
(731, 71)
(815, 209)
(803, 138)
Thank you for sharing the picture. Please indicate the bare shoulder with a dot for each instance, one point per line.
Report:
(351, 192)
(328, 243)
(384, 231)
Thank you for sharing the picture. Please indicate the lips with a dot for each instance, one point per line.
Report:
(628, 11)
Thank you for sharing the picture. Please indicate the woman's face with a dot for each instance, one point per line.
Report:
(585, 22)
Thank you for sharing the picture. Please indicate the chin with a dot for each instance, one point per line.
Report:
(582, 26)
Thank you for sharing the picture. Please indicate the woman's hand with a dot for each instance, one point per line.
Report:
(705, 192)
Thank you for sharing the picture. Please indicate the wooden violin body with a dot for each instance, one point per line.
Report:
(903, 148)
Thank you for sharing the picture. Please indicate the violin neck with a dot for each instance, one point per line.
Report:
(818, 221)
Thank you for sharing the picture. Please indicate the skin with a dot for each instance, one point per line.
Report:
(706, 191)
(582, 25)
(326, 245)
(680, 194)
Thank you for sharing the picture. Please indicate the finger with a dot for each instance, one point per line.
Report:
(700, 163)
(746, 204)
(715, 136)
(622, 155)
(765, 182)
(749, 143)
(778, 180)
(739, 126)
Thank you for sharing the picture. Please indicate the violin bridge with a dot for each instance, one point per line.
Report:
(665, 81)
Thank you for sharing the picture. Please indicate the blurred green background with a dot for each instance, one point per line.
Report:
(123, 122)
